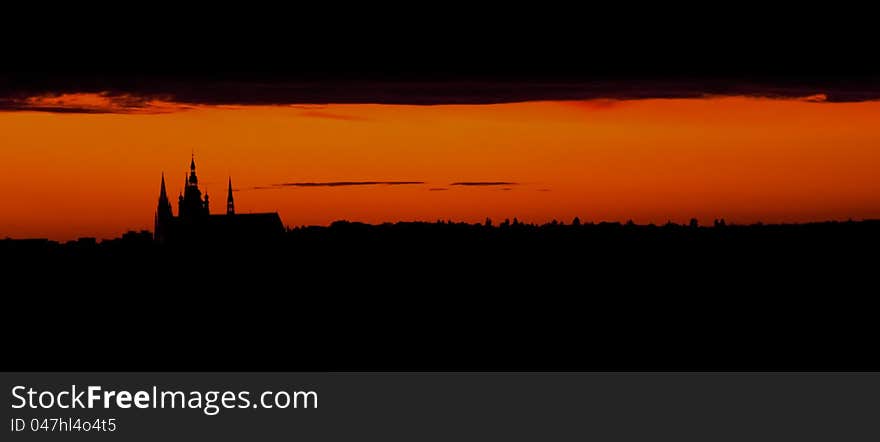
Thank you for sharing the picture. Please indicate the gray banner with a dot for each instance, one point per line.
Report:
(454, 407)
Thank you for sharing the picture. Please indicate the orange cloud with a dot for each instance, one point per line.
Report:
(91, 103)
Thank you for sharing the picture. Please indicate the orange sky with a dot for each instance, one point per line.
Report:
(68, 175)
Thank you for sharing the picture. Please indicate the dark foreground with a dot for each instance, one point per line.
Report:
(416, 296)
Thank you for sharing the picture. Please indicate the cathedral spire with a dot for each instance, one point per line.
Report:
(162, 194)
(163, 213)
(230, 204)
(194, 204)
(164, 205)
(193, 181)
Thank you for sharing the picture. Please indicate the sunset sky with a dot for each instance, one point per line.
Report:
(66, 175)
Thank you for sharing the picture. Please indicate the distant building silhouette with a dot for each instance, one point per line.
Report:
(195, 224)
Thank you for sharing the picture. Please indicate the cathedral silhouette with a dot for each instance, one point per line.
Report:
(194, 222)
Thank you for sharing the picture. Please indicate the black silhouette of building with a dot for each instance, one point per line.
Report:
(195, 224)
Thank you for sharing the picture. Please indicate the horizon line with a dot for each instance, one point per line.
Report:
(496, 224)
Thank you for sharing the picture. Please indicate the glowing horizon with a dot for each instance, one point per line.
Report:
(67, 175)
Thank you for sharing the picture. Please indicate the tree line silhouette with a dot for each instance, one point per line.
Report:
(552, 253)
(447, 295)
(483, 236)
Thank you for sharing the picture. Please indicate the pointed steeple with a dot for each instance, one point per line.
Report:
(230, 204)
(164, 207)
(163, 213)
(162, 194)
(193, 181)
(206, 205)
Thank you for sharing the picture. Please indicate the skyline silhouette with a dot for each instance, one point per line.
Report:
(742, 159)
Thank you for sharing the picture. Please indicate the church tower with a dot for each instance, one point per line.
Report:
(163, 213)
(230, 204)
(191, 205)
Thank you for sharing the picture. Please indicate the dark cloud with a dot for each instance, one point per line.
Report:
(135, 93)
(486, 57)
(348, 183)
(10, 105)
(437, 189)
(483, 183)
